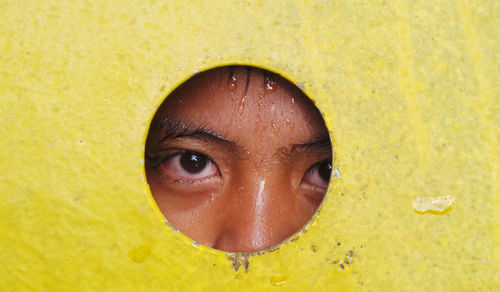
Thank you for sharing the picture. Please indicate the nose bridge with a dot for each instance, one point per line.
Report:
(253, 222)
(258, 223)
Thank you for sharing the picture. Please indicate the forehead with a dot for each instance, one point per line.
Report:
(244, 103)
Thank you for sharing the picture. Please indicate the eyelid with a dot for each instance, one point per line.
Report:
(314, 187)
(309, 176)
(171, 153)
(164, 158)
(169, 171)
(215, 149)
(192, 182)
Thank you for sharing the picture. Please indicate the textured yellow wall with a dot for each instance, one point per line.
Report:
(410, 93)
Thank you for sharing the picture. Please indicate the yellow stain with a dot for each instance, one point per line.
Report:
(140, 253)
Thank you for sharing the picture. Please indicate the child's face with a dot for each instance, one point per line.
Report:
(238, 159)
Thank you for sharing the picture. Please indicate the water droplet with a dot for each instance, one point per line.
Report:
(270, 81)
(293, 100)
(232, 81)
(300, 85)
(274, 126)
(261, 105)
(278, 280)
(241, 108)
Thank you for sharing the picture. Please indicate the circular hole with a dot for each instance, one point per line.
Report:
(238, 158)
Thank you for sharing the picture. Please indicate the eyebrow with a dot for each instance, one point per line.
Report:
(175, 129)
(320, 145)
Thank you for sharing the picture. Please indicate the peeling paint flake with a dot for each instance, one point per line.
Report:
(436, 205)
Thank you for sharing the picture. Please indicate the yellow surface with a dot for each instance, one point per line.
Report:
(409, 90)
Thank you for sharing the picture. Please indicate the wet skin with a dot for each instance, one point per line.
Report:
(238, 159)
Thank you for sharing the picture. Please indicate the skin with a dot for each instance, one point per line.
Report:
(258, 140)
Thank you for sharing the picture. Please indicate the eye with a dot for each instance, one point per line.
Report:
(318, 174)
(188, 166)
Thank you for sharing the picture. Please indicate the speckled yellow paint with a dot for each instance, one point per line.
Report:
(409, 90)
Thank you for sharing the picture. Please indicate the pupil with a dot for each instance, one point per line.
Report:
(193, 162)
(324, 170)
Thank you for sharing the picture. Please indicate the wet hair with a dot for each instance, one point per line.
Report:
(270, 78)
